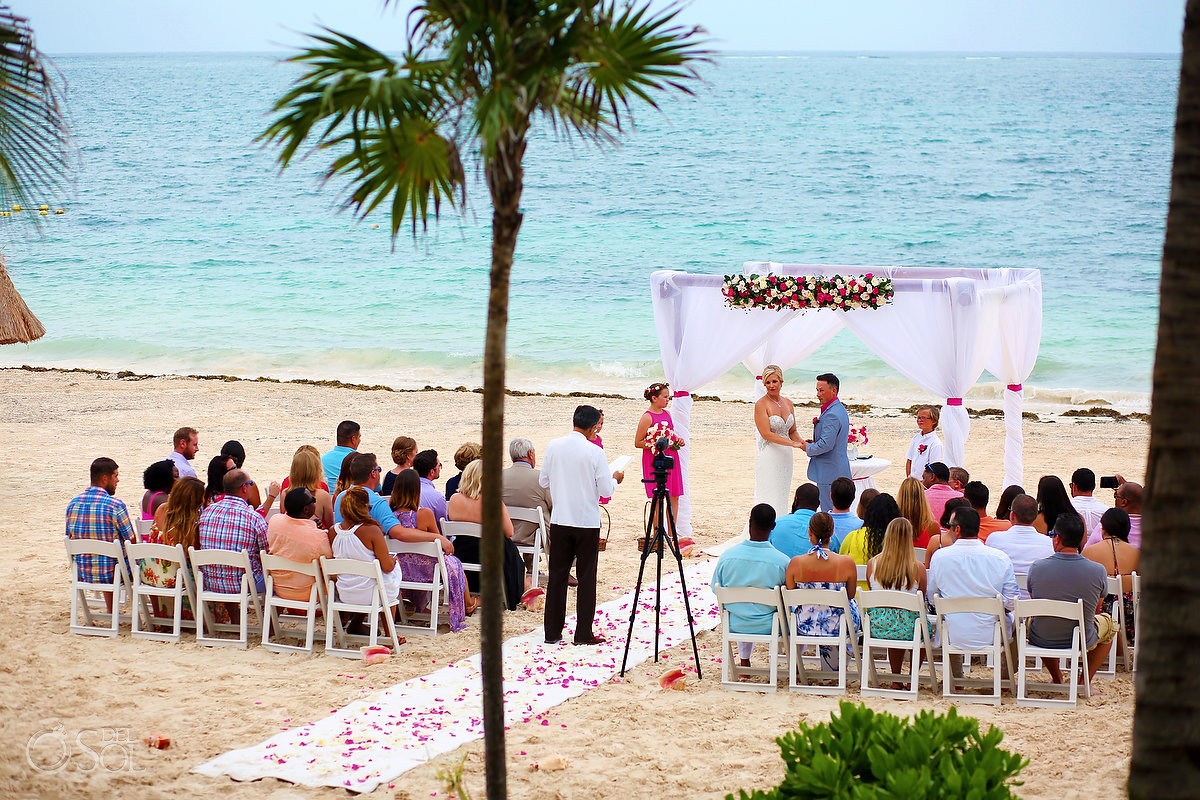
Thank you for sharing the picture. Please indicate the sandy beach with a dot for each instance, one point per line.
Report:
(626, 739)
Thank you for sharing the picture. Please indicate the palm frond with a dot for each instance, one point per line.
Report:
(35, 152)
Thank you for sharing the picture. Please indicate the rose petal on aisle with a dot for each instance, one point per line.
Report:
(373, 741)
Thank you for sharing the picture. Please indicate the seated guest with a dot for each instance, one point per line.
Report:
(362, 470)
(936, 478)
(429, 469)
(176, 521)
(867, 542)
(752, 563)
(1022, 543)
(307, 472)
(1067, 575)
(864, 502)
(217, 469)
(467, 506)
(349, 437)
(522, 489)
(357, 535)
(969, 568)
(915, 508)
(790, 535)
(977, 495)
(1118, 557)
(234, 449)
(959, 478)
(343, 481)
(97, 514)
(232, 524)
(1052, 500)
(186, 442)
(1083, 484)
(157, 480)
(287, 484)
(404, 450)
(945, 536)
(465, 454)
(821, 569)
(1004, 504)
(418, 525)
(841, 494)
(294, 535)
(896, 568)
(1127, 497)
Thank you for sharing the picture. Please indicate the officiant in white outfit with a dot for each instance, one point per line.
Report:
(775, 422)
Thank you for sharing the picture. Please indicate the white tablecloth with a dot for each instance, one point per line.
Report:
(864, 470)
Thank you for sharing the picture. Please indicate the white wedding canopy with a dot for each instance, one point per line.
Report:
(983, 318)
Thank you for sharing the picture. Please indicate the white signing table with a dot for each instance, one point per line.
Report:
(863, 471)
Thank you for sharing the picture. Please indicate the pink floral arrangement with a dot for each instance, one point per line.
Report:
(661, 430)
(857, 436)
(803, 292)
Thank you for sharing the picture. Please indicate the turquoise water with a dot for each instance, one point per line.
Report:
(184, 250)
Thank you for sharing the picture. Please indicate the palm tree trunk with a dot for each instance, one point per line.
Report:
(1166, 736)
(505, 177)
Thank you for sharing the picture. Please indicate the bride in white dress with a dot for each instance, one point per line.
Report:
(775, 421)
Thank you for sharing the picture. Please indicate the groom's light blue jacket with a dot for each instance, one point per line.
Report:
(827, 453)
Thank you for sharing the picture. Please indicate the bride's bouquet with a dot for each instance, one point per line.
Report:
(661, 430)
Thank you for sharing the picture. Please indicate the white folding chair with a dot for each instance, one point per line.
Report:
(145, 616)
(245, 598)
(862, 573)
(96, 621)
(919, 555)
(331, 568)
(143, 526)
(997, 650)
(775, 641)
(437, 586)
(537, 517)
(280, 610)
(1075, 654)
(453, 530)
(920, 645)
(846, 641)
(1022, 582)
(1109, 670)
(1137, 617)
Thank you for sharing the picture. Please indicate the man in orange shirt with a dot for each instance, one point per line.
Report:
(977, 495)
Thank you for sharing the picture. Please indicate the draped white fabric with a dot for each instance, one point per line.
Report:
(942, 329)
(1013, 359)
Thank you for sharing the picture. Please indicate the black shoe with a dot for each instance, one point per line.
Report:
(593, 640)
(554, 641)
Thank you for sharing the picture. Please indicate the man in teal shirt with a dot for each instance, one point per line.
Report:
(790, 535)
(349, 435)
(753, 563)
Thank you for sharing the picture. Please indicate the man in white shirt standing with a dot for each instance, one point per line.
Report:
(1023, 543)
(577, 476)
(969, 568)
(187, 444)
(1083, 483)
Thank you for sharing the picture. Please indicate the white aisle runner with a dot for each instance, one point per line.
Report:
(373, 741)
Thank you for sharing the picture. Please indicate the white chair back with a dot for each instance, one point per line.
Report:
(279, 610)
(380, 606)
(731, 672)
(246, 597)
(145, 616)
(537, 517)
(1120, 647)
(437, 586)
(1137, 614)
(453, 530)
(997, 650)
(96, 621)
(846, 640)
(1075, 653)
(873, 682)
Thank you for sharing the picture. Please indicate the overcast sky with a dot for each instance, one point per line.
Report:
(1109, 26)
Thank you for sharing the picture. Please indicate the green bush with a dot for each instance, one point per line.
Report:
(864, 755)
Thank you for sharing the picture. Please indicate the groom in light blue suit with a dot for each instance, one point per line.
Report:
(827, 449)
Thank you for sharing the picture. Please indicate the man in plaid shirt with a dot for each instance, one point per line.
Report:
(232, 523)
(96, 514)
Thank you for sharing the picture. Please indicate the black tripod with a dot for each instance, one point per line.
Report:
(658, 533)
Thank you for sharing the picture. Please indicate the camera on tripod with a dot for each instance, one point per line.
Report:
(662, 463)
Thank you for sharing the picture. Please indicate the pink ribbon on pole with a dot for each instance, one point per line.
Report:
(1014, 387)
(954, 401)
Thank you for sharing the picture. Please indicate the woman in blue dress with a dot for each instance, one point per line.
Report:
(821, 568)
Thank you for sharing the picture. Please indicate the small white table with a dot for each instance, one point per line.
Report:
(863, 471)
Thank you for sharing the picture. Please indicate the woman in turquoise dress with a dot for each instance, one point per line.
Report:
(820, 568)
(896, 567)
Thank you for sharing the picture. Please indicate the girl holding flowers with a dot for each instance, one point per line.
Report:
(656, 424)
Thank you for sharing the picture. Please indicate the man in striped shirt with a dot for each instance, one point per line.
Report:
(97, 514)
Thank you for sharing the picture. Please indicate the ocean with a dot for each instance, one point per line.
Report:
(184, 250)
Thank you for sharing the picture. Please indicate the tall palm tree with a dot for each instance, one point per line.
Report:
(474, 78)
(35, 158)
(1166, 737)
